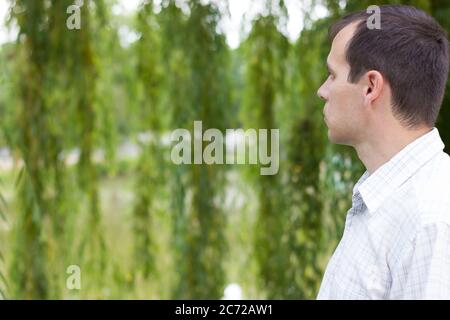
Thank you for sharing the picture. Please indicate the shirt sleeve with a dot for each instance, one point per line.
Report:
(427, 267)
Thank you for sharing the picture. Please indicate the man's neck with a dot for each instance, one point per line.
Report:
(379, 149)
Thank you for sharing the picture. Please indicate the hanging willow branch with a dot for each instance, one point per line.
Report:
(93, 244)
(197, 85)
(29, 268)
(149, 168)
(208, 59)
(58, 66)
(265, 52)
(175, 80)
(3, 282)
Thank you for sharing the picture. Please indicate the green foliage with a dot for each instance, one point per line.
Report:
(151, 163)
(3, 282)
(38, 145)
(203, 86)
(177, 231)
(266, 52)
(176, 71)
(441, 11)
(60, 87)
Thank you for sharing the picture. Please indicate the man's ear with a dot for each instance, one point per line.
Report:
(373, 86)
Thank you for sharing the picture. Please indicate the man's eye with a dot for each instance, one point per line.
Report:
(330, 76)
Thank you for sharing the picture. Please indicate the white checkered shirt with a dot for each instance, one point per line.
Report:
(396, 241)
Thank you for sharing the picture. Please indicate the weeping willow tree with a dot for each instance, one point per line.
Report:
(93, 246)
(150, 164)
(39, 150)
(441, 11)
(3, 282)
(305, 152)
(209, 98)
(198, 89)
(175, 81)
(58, 65)
(266, 52)
(4, 87)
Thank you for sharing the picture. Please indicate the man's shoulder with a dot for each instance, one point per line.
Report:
(431, 188)
(425, 196)
(421, 201)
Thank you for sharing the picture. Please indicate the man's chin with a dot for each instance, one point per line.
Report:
(334, 138)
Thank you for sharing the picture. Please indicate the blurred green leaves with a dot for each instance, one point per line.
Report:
(169, 231)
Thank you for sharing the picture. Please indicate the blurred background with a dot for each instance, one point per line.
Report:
(85, 171)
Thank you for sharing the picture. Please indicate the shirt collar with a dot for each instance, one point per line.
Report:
(375, 187)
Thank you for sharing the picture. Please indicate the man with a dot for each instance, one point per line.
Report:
(382, 97)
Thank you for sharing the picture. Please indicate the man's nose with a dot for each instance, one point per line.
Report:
(320, 93)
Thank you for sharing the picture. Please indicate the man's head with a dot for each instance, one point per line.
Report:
(394, 75)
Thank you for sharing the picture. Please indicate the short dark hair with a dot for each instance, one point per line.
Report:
(410, 50)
